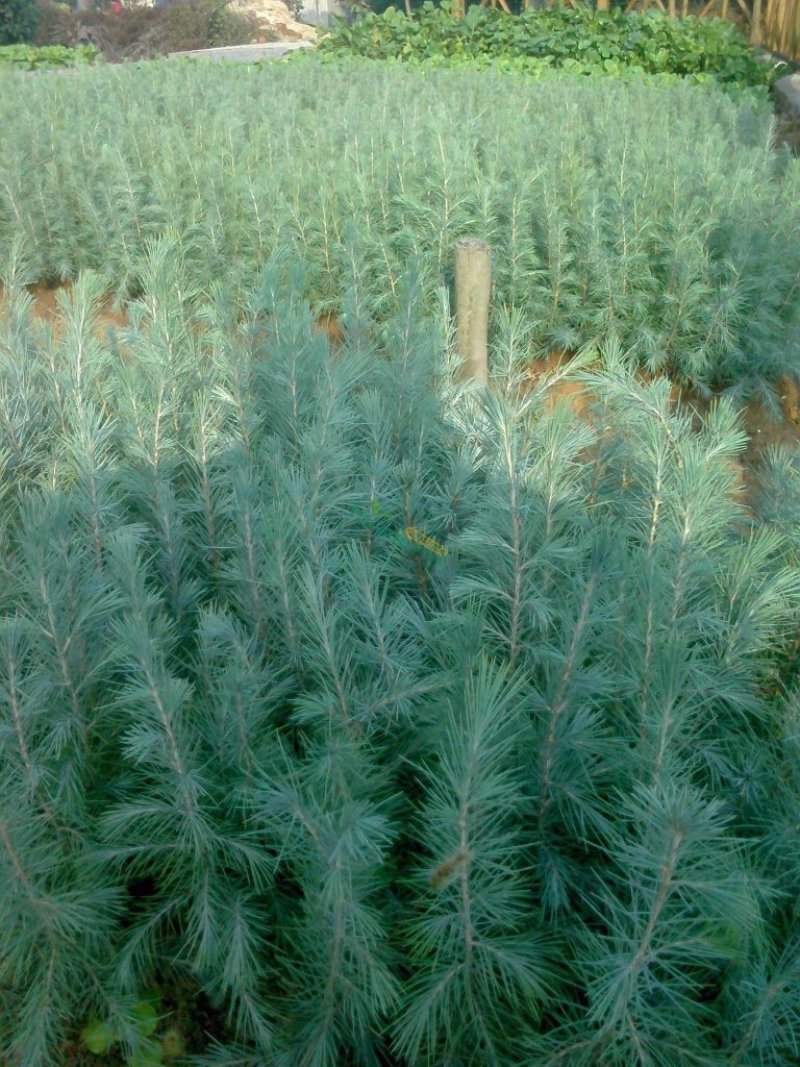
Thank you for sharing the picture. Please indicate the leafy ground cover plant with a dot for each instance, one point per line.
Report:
(30, 57)
(579, 39)
(655, 215)
(529, 798)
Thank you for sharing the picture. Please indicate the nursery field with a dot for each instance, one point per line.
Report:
(350, 715)
(654, 213)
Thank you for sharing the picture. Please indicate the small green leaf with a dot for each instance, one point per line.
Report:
(146, 1017)
(147, 1055)
(98, 1036)
(173, 1044)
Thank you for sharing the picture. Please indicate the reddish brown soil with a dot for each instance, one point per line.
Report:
(113, 315)
(330, 324)
(46, 309)
(763, 427)
(571, 392)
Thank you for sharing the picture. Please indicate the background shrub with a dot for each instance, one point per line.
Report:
(144, 32)
(189, 24)
(17, 21)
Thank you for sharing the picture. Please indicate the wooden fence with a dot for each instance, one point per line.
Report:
(778, 27)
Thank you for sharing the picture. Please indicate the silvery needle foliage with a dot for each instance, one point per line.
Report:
(527, 795)
(653, 213)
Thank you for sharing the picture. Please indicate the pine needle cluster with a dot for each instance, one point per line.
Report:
(654, 215)
(531, 798)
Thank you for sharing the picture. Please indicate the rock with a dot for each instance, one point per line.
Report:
(787, 92)
(787, 108)
(274, 19)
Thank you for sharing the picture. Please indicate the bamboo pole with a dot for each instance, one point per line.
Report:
(502, 4)
(755, 29)
(779, 25)
(791, 31)
(473, 285)
(778, 16)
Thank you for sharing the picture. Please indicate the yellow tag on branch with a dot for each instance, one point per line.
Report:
(417, 537)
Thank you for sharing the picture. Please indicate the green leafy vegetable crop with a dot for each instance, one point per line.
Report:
(30, 57)
(577, 39)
